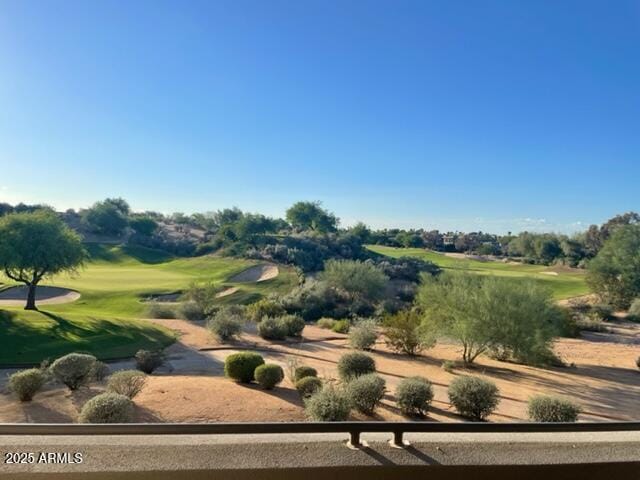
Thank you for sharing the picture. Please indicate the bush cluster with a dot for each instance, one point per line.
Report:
(341, 326)
(226, 324)
(307, 386)
(363, 334)
(100, 371)
(278, 328)
(148, 362)
(414, 396)
(192, 311)
(107, 408)
(473, 397)
(328, 405)
(365, 392)
(26, 383)
(158, 310)
(544, 408)
(634, 311)
(264, 307)
(355, 364)
(326, 323)
(269, 375)
(404, 333)
(241, 366)
(127, 382)
(74, 369)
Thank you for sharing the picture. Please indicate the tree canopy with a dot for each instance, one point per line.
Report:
(35, 245)
(108, 217)
(357, 279)
(311, 216)
(615, 272)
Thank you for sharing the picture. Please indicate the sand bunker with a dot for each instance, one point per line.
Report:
(226, 292)
(259, 273)
(17, 296)
(555, 274)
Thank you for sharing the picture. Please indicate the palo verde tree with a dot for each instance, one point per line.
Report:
(311, 216)
(36, 245)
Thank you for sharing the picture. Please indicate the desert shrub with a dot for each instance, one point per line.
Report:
(307, 386)
(241, 366)
(107, 408)
(603, 312)
(74, 369)
(192, 311)
(634, 311)
(326, 323)
(448, 366)
(328, 405)
(590, 323)
(127, 382)
(365, 392)
(473, 397)
(203, 295)
(579, 304)
(100, 371)
(404, 332)
(148, 362)
(414, 396)
(158, 310)
(272, 329)
(360, 280)
(304, 371)
(354, 364)
(269, 375)
(341, 326)
(226, 324)
(26, 383)
(363, 335)
(544, 408)
(294, 325)
(264, 307)
(312, 300)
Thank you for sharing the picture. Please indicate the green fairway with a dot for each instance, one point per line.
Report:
(563, 284)
(105, 320)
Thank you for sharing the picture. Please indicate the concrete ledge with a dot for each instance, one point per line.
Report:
(585, 455)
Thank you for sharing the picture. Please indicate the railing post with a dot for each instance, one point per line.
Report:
(397, 440)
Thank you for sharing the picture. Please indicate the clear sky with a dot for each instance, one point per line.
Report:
(493, 115)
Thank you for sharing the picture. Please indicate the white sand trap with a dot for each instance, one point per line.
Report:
(259, 273)
(226, 292)
(555, 274)
(17, 296)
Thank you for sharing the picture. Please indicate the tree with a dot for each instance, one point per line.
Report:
(108, 217)
(143, 225)
(311, 216)
(516, 318)
(360, 280)
(361, 232)
(36, 245)
(614, 274)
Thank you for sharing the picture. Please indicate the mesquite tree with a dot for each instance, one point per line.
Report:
(36, 245)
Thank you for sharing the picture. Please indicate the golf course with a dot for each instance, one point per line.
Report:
(563, 282)
(113, 285)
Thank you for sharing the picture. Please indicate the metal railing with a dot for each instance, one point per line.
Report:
(354, 429)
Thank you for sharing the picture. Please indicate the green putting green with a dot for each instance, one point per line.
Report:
(563, 284)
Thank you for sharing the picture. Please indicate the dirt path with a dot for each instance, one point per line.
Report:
(17, 296)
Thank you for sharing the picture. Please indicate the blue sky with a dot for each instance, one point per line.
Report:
(493, 115)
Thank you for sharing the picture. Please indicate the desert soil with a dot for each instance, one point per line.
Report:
(17, 296)
(192, 388)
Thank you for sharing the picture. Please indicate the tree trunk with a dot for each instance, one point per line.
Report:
(31, 297)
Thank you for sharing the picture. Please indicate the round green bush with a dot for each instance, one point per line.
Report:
(264, 308)
(100, 371)
(303, 371)
(241, 366)
(127, 382)
(473, 397)
(269, 375)
(341, 326)
(272, 329)
(226, 324)
(26, 383)
(544, 408)
(294, 325)
(307, 386)
(414, 396)
(363, 335)
(192, 311)
(107, 408)
(354, 364)
(365, 392)
(74, 369)
(328, 405)
(148, 362)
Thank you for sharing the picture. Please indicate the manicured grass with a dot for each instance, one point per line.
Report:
(565, 284)
(30, 337)
(105, 320)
